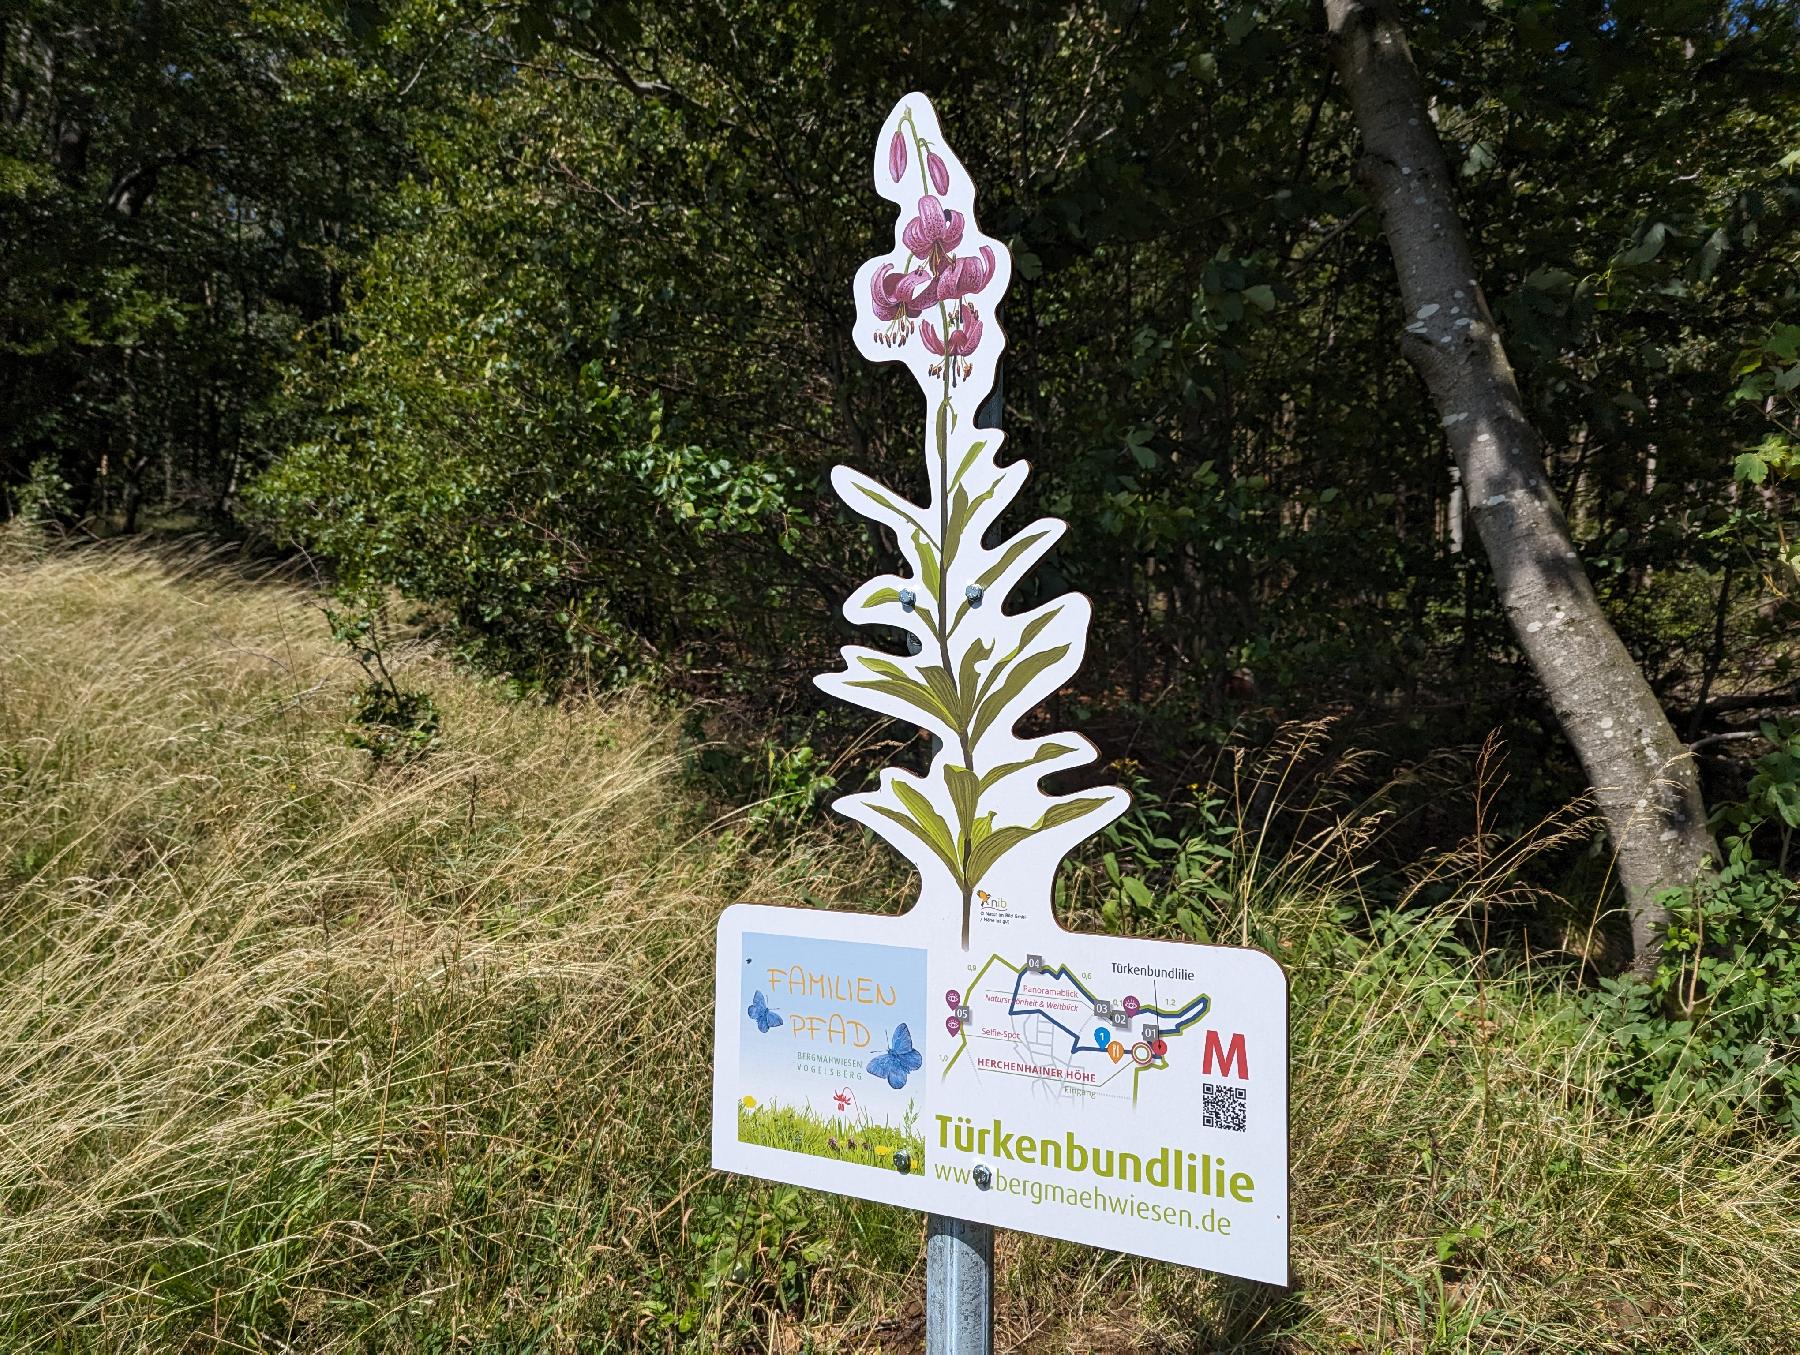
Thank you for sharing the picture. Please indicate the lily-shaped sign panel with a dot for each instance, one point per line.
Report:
(971, 1057)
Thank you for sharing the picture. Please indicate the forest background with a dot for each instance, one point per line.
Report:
(537, 316)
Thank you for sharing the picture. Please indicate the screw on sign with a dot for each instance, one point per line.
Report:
(1069, 1109)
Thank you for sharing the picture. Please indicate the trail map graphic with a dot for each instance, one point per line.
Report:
(1064, 1031)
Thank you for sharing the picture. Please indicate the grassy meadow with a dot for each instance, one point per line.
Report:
(303, 1054)
(800, 1130)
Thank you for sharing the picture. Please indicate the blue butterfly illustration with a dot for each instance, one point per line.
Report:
(765, 1019)
(901, 1058)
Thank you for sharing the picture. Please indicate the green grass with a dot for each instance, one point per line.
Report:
(303, 1055)
(796, 1129)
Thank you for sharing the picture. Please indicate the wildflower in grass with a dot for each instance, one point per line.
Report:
(882, 1150)
(749, 1103)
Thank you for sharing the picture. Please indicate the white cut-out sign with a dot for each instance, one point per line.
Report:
(971, 1057)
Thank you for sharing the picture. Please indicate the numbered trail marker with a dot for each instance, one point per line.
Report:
(972, 1058)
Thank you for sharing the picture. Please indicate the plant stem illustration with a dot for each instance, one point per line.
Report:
(975, 669)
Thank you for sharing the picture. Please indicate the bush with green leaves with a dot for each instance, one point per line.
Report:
(393, 724)
(1719, 1022)
(480, 457)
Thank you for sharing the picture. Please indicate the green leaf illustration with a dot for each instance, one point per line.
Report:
(945, 690)
(927, 696)
(1014, 682)
(1033, 629)
(925, 835)
(1067, 811)
(1018, 546)
(979, 652)
(996, 845)
(963, 510)
(994, 775)
(930, 575)
(929, 825)
(875, 496)
(968, 460)
(886, 667)
(965, 793)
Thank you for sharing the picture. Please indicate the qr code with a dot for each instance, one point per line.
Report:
(1223, 1107)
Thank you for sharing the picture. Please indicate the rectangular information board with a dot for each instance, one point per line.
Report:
(1129, 1094)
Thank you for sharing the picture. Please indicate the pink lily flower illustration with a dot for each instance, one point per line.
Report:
(961, 341)
(898, 299)
(965, 276)
(934, 233)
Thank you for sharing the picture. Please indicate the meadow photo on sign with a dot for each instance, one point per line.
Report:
(971, 1058)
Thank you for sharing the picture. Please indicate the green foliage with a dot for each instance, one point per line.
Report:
(793, 784)
(180, 188)
(799, 1130)
(762, 1257)
(1169, 866)
(477, 455)
(44, 497)
(545, 310)
(1718, 1025)
(393, 724)
(1769, 380)
(1772, 795)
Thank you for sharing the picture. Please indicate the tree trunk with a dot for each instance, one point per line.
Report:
(1643, 776)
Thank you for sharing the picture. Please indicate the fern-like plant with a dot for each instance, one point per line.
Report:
(977, 823)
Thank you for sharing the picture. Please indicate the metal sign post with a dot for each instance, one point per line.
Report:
(959, 1287)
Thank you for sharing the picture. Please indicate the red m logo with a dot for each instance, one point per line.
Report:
(1226, 1055)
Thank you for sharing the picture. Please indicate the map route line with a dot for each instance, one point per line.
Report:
(1203, 1002)
(1069, 974)
(974, 983)
(1184, 1016)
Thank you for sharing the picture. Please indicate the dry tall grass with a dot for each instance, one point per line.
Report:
(300, 1055)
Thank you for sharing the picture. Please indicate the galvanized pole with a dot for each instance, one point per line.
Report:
(959, 1287)
(959, 1255)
